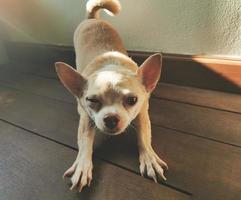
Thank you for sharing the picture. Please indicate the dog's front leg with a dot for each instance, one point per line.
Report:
(149, 160)
(81, 170)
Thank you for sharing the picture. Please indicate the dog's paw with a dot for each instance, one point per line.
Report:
(153, 165)
(80, 173)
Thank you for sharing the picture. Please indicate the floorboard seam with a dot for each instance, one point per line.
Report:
(195, 135)
(34, 133)
(96, 157)
(162, 183)
(33, 93)
(198, 105)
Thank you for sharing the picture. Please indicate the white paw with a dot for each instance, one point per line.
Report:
(153, 165)
(80, 173)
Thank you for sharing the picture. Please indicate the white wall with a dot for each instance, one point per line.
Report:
(182, 26)
(175, 26)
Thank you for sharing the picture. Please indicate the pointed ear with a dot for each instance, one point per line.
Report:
(70, 78)
(150, 71)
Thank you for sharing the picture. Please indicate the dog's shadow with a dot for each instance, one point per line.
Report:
(110, 152)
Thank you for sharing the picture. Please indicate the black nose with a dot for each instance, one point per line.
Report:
(111, 121)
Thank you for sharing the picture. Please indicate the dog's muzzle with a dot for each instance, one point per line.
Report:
(111, 121)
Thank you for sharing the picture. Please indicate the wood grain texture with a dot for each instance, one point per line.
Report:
(31, 168)
(35, 112)
(211, 123)
(200, 97)
(207, 169)
(43, 86)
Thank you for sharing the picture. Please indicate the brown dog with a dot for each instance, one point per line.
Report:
(111, 92)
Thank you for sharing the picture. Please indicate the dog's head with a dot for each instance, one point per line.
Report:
(112, 97)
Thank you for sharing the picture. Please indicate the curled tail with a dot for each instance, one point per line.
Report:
(93, 7)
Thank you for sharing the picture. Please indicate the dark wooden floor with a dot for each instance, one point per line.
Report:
(198, 133)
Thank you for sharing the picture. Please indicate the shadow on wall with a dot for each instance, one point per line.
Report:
(220, 75)
(203, 75)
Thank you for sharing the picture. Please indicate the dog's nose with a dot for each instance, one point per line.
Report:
(111, 121)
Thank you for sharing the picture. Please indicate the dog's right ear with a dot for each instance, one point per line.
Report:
(70, 78)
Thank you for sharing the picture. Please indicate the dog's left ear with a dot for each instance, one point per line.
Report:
(150, 71)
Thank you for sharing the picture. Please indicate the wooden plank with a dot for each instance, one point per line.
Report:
(214, 124)
(31, 168)
(50, 88)
(194, 162)
(34, 111)
(207, 169)
(195, 96)
(205, 122)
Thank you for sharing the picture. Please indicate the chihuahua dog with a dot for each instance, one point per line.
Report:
(111, 92)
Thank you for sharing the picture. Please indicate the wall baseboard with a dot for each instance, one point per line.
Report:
(215, 73)
(3, 54)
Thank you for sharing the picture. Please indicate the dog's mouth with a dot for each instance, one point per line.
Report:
(116, 131)
(111, 132)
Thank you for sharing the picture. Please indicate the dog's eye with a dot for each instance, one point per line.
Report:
(92, 100)
(94, 103)
(130, 100)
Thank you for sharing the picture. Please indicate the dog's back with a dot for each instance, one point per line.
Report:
(94, 36)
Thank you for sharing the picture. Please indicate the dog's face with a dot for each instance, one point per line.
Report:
(112, 98)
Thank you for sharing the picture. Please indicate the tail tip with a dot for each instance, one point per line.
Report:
(112, 7)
